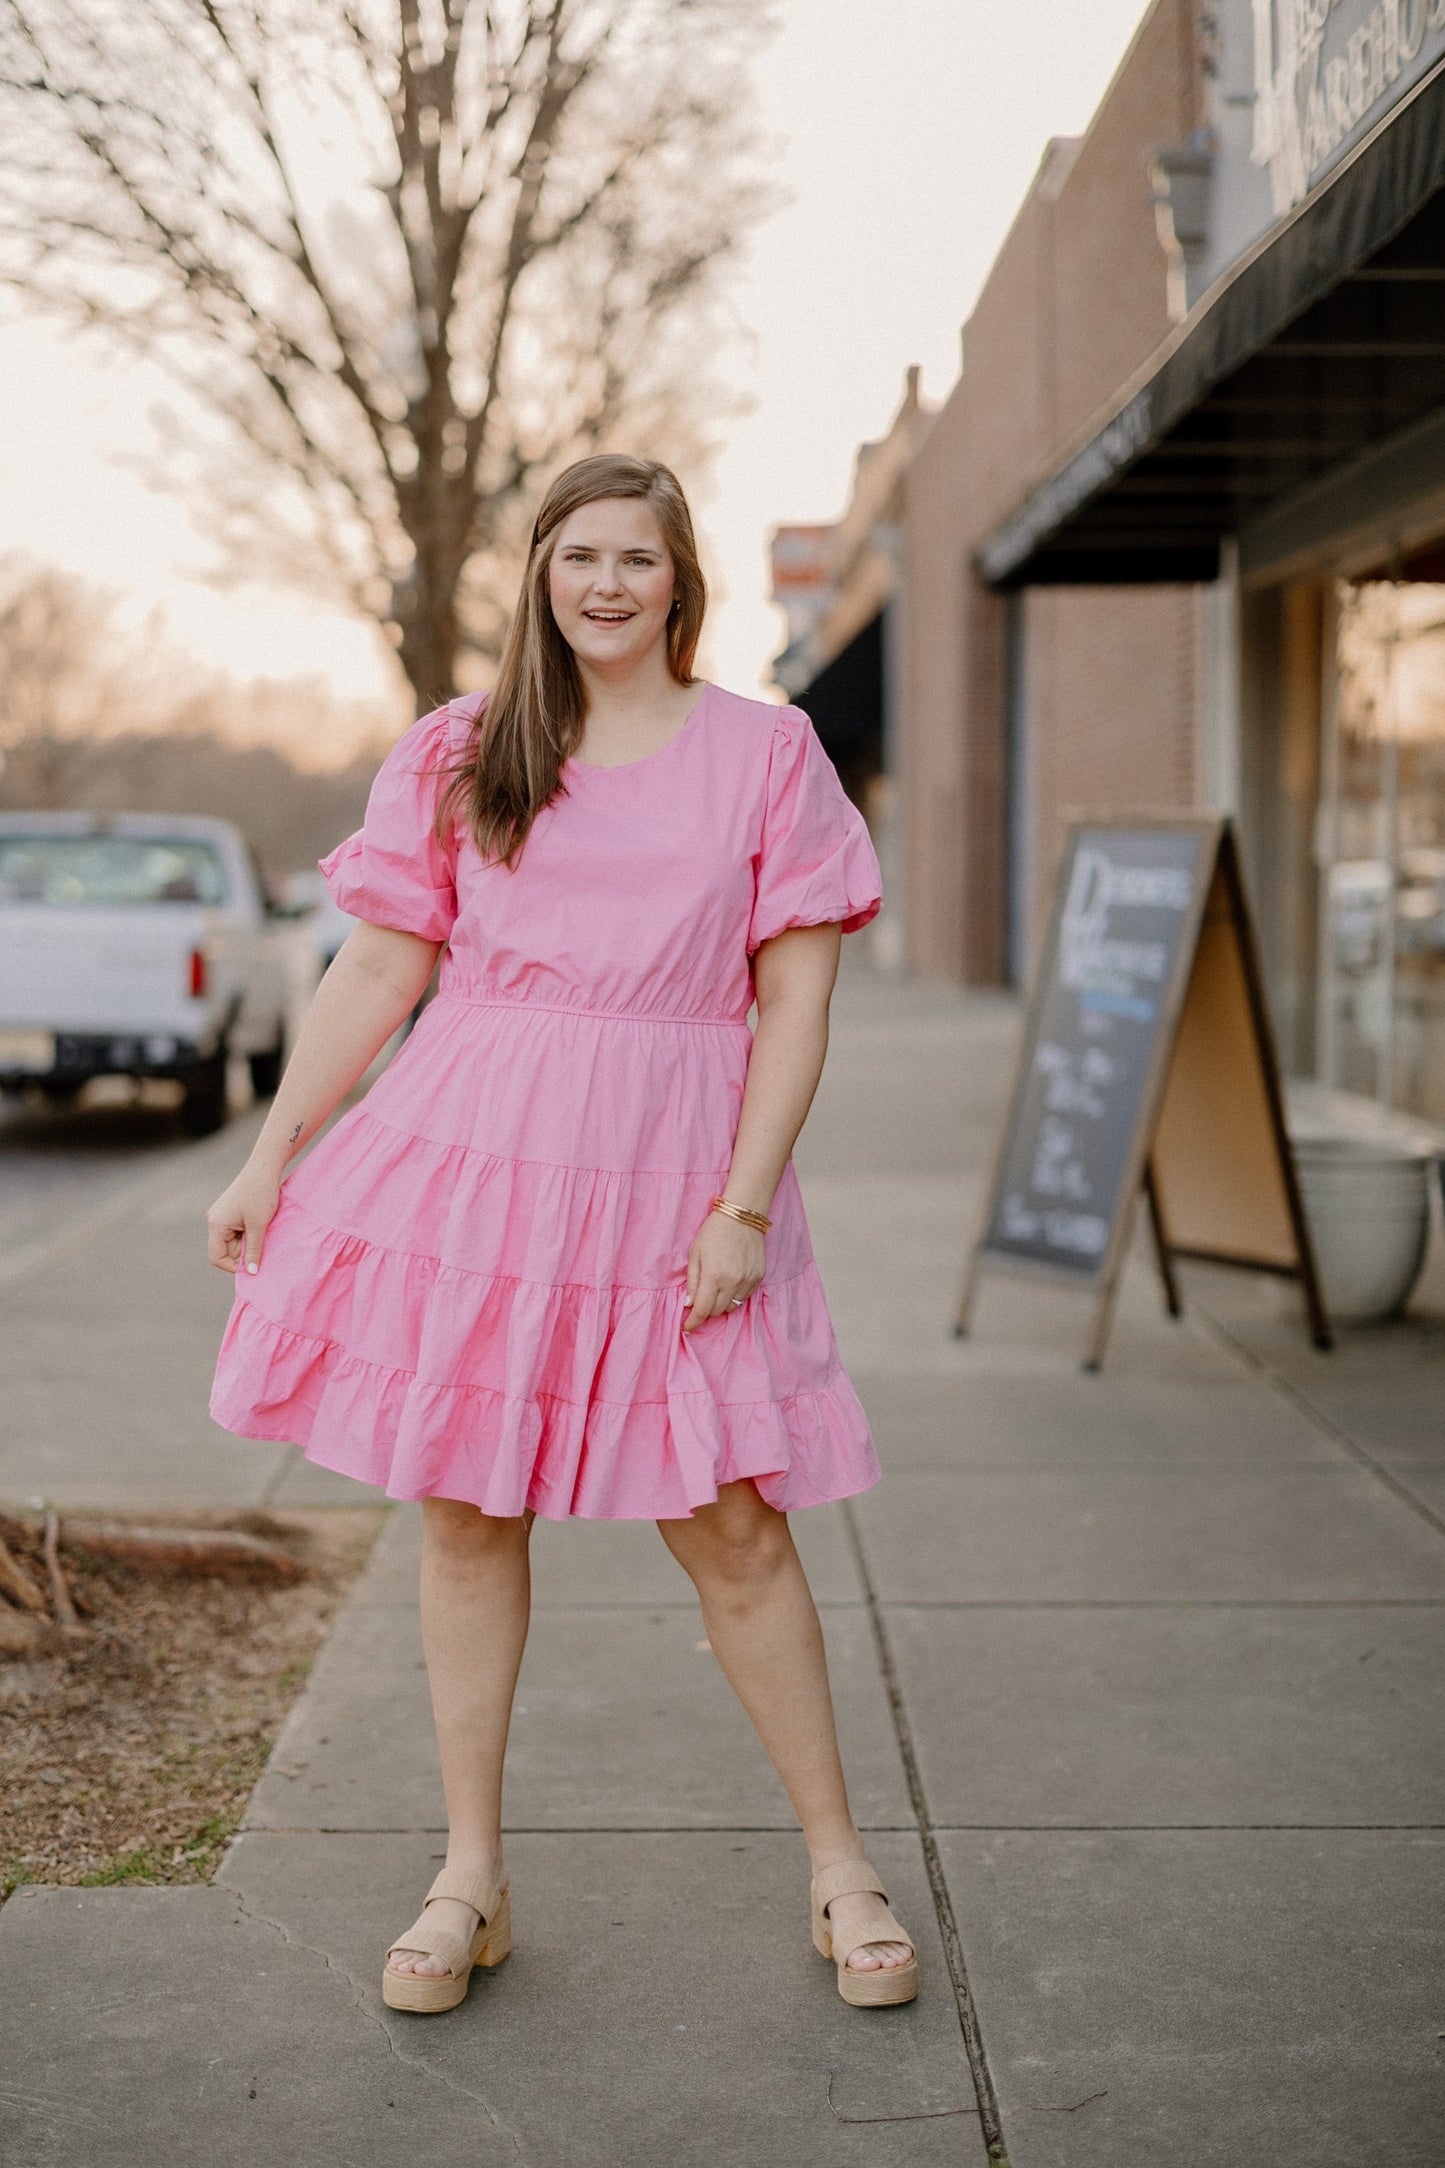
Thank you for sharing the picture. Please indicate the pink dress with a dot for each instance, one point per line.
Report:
(474, 1285)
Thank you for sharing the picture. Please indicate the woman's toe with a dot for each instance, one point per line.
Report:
(880, 1956)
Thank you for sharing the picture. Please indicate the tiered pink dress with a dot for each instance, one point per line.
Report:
(474, 1284)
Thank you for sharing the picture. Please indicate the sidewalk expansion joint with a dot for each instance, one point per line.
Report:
(1186, 1829)
(561, 1829)
(983, 2085)
(682, 1605)
(361, 2003)
(1297, 1398)
(1162, 1603)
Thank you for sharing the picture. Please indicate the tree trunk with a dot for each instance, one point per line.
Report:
(428, 638)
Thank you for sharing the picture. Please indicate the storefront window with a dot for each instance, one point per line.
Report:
(1382, 1012)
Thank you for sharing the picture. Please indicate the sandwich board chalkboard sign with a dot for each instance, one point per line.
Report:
(1147, 1061)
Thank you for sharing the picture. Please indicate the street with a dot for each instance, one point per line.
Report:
(58, 1165)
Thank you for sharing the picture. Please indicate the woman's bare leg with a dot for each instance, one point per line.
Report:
(763, 1626)
(476, 1595)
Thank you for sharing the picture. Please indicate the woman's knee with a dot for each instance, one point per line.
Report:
(739, 1543)
(458, 1534)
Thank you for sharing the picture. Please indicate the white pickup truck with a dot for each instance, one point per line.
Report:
(141, 945)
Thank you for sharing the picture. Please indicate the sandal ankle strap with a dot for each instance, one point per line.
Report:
(466, 1887)
(846, 1878)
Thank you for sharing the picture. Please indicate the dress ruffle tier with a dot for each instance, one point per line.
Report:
(474, 1284)
(531, 1353)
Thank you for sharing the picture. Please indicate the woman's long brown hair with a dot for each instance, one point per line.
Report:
(534, 719)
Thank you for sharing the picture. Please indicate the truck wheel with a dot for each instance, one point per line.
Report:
(204, 1108)
(266, 1068)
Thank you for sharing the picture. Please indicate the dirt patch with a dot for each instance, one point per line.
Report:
(128, 1749)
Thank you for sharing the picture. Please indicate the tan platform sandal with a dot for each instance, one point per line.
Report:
(427, 1991)
(867, 1990)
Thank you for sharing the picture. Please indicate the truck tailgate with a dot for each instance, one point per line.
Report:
(95, 969)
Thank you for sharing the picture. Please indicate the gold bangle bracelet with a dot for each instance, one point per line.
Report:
(759, 1220)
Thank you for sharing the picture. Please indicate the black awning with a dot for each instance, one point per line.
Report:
(1325, 344)
(845, 701)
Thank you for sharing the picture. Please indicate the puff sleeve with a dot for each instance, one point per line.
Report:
(393, 871)
(816, 863)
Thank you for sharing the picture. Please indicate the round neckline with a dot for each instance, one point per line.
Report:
(624, 767)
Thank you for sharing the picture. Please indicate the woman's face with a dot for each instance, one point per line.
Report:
(611, 583)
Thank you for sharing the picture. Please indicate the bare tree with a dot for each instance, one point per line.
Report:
(404, 256)
(67, 673)
(97, 715)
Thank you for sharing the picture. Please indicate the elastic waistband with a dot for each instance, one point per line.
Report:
(566, 1008)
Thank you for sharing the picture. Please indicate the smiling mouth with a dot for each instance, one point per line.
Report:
(609, 617)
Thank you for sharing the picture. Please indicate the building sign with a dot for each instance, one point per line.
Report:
(803, 561)
(804, 588)
(1324, 72)
(1115, 447)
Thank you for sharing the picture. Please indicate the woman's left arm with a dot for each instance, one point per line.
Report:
(793, 977)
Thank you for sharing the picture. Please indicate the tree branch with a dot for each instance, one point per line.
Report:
(391, 350)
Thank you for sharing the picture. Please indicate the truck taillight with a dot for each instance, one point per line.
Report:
(200, 973)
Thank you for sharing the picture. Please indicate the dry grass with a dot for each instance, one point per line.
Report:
(129, 1754)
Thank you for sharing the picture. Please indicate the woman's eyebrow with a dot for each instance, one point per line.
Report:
(589, 549)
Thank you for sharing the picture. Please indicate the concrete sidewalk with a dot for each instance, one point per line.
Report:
(1138, 1681)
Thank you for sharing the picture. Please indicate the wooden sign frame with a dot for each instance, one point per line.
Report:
(1209, 1149)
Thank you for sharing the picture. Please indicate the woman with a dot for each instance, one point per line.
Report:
(528, 1272)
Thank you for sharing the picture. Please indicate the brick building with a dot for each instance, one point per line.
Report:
(1176, 537)
(836, 587)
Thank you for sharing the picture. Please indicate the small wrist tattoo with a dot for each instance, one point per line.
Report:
(295, 1132)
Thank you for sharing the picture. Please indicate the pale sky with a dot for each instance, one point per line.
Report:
(910, 133)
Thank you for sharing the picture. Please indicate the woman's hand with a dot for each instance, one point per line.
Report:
(236, 1223)
(793, 976)
(727, 1259)
(377, 978)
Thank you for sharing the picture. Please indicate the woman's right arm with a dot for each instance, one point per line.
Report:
(375, 982)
